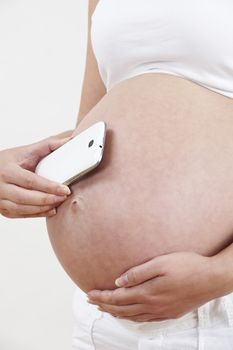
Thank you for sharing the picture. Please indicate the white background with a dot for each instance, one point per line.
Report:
(42, 57)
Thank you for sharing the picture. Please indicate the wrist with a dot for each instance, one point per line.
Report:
(222, 273)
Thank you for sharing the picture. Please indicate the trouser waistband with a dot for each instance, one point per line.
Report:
(210, 314)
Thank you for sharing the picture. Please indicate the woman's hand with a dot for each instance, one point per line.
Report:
(165, 287)
(23, 193)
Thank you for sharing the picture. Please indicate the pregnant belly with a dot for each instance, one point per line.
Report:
(165, 183)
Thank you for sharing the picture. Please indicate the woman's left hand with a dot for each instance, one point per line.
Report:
(165, 287)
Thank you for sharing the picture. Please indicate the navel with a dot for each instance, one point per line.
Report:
(77, 204)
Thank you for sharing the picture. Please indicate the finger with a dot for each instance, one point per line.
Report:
(55, 142)
(29, 155)
(21, 195)
(143, 318)
(46, 214)
(27, 179)
(141, 273)
(124, 311)
(37, 150)
(158, 319)
(121, 296)
(9, 208)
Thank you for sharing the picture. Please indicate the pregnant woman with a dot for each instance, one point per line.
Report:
(162, 197)
(158, 210)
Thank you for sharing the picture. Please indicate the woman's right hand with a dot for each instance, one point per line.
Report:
(24, 194)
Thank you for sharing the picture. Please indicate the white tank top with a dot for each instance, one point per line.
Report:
(191, 39)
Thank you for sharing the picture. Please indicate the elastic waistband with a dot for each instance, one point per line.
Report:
(212, 314)
(187, 321)
(216, 312)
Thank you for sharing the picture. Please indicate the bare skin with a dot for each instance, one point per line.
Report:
(24, 194)
(164, 185)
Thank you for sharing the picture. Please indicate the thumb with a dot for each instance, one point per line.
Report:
(54, 143)
(38, 150)
(139, 274)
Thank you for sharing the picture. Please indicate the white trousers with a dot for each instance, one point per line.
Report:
(209, 327)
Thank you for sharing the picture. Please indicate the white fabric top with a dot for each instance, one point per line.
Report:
(191, 39)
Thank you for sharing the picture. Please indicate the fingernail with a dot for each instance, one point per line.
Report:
(51, 212)
(59, 199)
(122, 281)
(92, 295)
(64, 190)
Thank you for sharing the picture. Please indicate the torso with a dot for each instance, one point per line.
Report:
(165, 183)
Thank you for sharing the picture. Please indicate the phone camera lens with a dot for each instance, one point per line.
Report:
(90, 143)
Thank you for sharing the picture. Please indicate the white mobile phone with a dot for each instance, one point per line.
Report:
(76, 157)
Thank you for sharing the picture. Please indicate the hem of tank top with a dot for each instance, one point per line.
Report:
(129, 76)
(162, 71)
